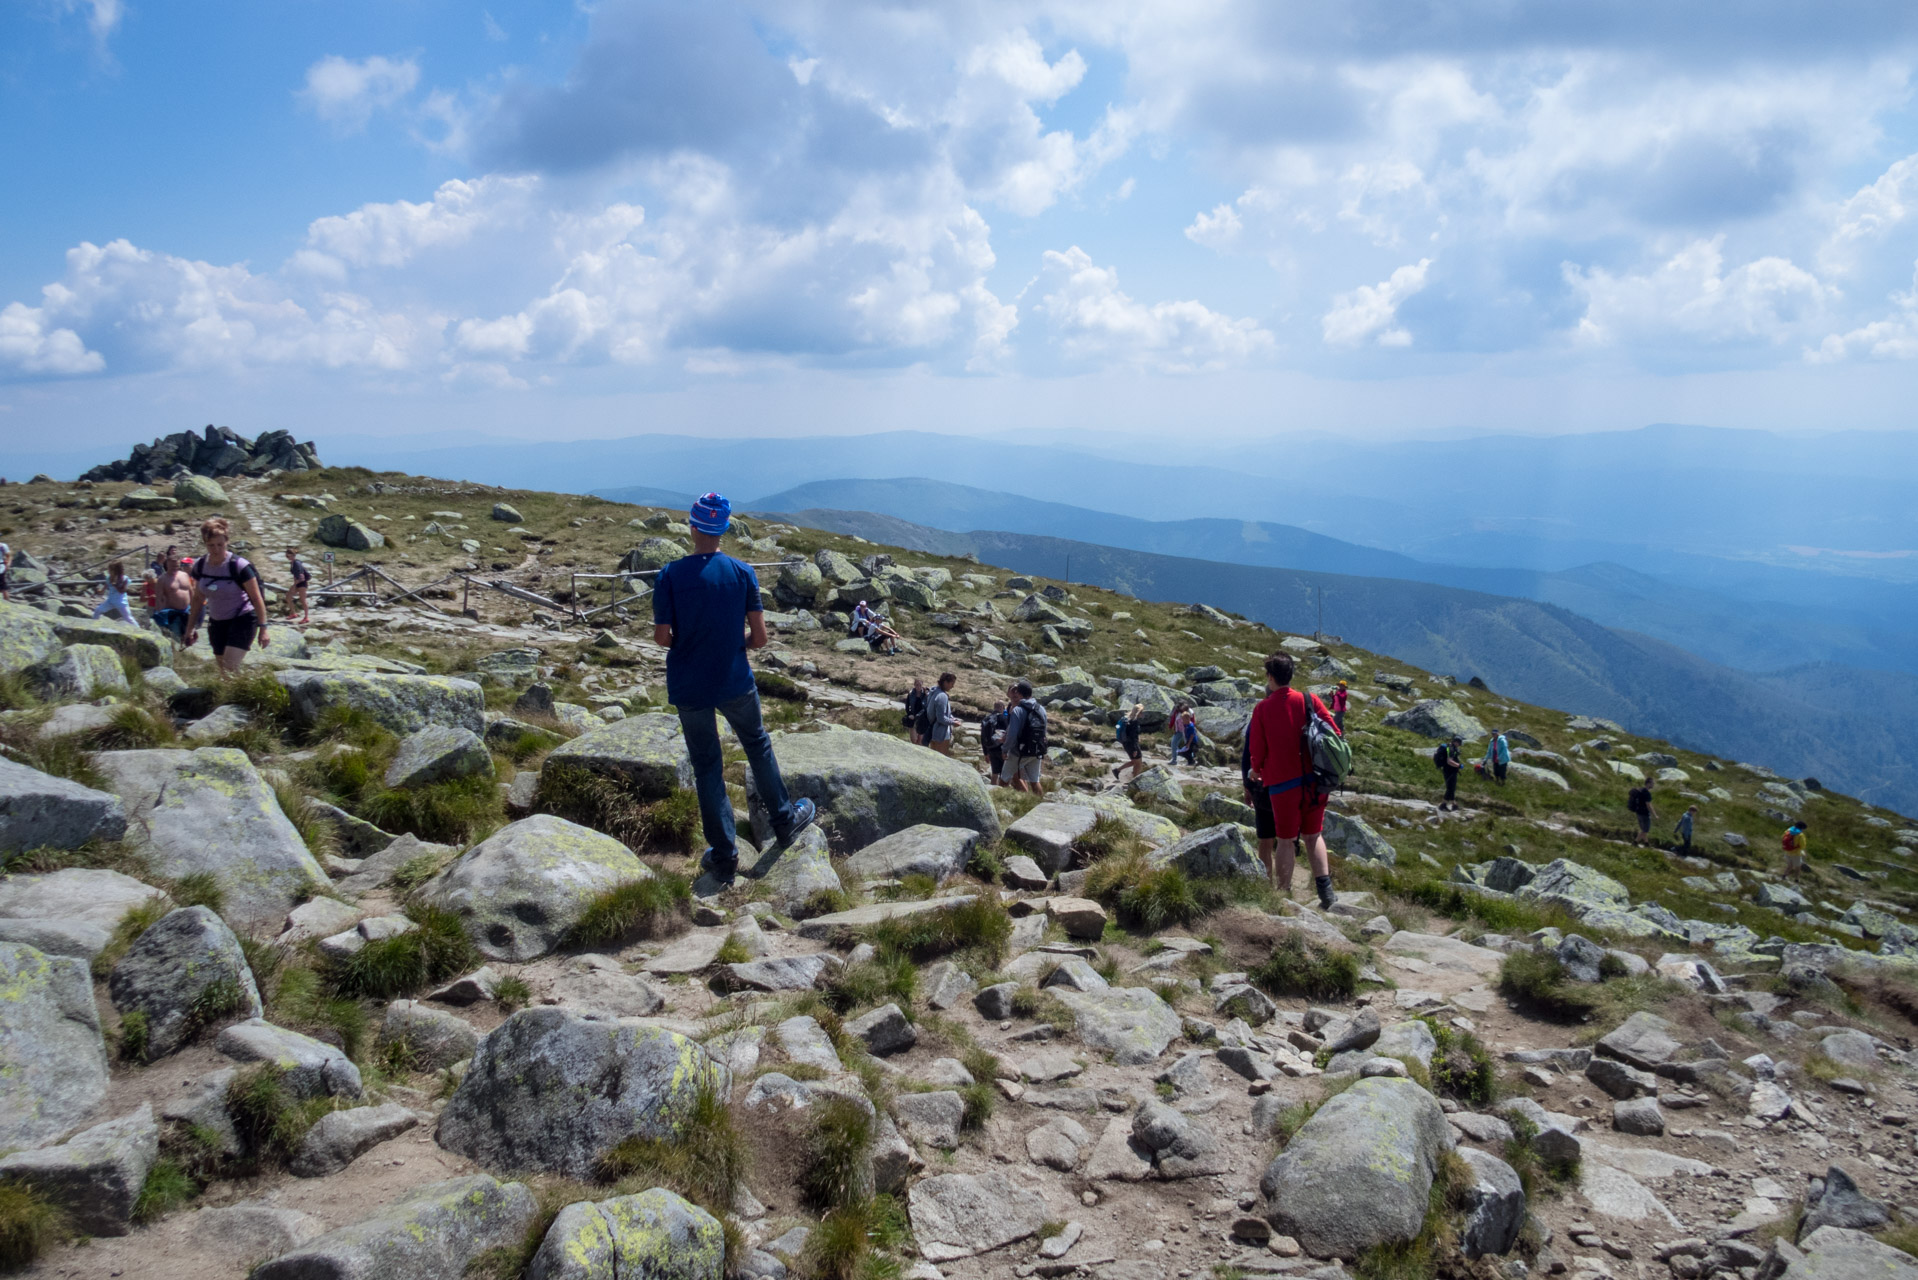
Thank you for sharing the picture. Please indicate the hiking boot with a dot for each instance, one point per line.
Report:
(805, 812)
(722, 872)
(1324, 885)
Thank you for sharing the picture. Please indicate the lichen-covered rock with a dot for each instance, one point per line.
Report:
(869, 785)
(96, 1175)
(1351, 836)
(432, 1039)
(550, 1090)
(27, 637)
(40, 811)
(1216, 851)
(523, 888)
(186, 970)
(53, 1061)
(210, 811)
(339, 1138)
(646, 752)
(141, 644)
(431, 1234)
(1131, 1023)
(797, 872)
(1437, 718)
(1047, 831)
(401, 703)
(1576, 887)
(70, 912)
(654, 1235)
(653, 553)
(919, 850)
(1495, 1205)
(308, 1068)
(338, 531)
(199, 491)
(1155, 829)
(436, 753)
(79, 671)
(1377, 1145)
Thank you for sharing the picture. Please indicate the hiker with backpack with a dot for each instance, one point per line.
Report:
(1127, 732)
(1185, 735)
(1025, 740)
(940, 721)
(1340, 697)
(1498, 757)
(1684, 829)
(706, 614)
(1639, 801)
(915, 719)
(1794, 843)
(226, 592)
(992, 741)
(1298, 755)
(1446, 757)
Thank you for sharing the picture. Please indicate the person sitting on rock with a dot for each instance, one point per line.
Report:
(861, 615)
(1277, 736)
(879, 636)
(706, 614)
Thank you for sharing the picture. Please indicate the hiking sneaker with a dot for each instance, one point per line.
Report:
(722, 872)
(805, 812)
(1324, 886)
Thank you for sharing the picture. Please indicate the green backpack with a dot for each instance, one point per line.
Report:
(1326, 751)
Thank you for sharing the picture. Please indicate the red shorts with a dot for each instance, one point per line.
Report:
(1297, 812)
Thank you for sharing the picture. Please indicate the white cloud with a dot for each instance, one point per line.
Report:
(1893, 337)
(390, 235)
(491, 27)
(103, 16)
(1769, 300)
(1369, 310)
(1097, 320)
(27, 344)
(347, 93)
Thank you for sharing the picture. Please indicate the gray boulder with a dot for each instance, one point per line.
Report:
(507, 513)
(339, 1138)
(401, 703)
(27, 637)
(782, 973)
(522, 889)
(1351, 836)
(431, 1233)
(1047, 831)
(210, 811)
(53, 1060)
(1157, 700)
(1495, 1205)
(552, 1091)
(80, 671)
(654, 1235)
(216, 724)
(308, 1068)
(138, 643)
(646, 752)
(1643, 1040)
(1216, 851)
(1852, 1049)
(1576, 887)
(436, 753)
(798, 872)
(919, 850)
(600, 984)
(1840, 1203)
(182, 974)
(40, 811)
(653, 553)
(1436, 718)
(70, 912)
(1131, 1023)
(96, 1175)
(433, 1039)
(870, 785)
(1639, 1116)
(338, 531)
(199, 491)
(239, 1235)
(957, 1215)
(1837, 1253)
(931, 1119)
(1377, 1144)
(1581, 958)
(885, 1031)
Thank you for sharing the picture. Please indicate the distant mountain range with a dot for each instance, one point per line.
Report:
(1858, 730)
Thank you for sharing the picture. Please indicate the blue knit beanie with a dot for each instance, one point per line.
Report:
(712, 514)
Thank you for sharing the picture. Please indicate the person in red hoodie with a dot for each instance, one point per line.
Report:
(1277, 737)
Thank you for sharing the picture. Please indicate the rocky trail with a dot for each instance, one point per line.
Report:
(392, 957)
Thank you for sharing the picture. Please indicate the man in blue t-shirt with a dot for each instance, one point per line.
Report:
(706, 614)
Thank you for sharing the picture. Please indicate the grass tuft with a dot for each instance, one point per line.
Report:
(887, 978)
(636, 909)
(138, 918)
(269, 1120)
(981, 926)
(28, 1224)
(260, 693)
(167, 1187)
(1461, 1068)
(668, 823)
(1300, 967)
(1537, 982)
(511, 992)
(438, 949)
(835, 1171)
(198, 889)
(704, 1160)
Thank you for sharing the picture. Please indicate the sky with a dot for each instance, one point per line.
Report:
(1133, 219)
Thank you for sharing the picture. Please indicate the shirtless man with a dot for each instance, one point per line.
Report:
(173, 595)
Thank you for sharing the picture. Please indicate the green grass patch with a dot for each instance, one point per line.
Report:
(1109, 837)
(451, 811)
(980, 926)
(1301, 967)
(1461, 1067)
(833, 1176)
(268, 1118)
(642, 821)
(436, 950)
(1538, 984)
(636, 909)
(29, 1224)
(136, 920)
(198, 889)
(259, 693)
(132, 728)
(299, 999)
(705, 1160)
(167, 1187)
(511, 992)
(316, 833)
(857, 1241)
(888, 978)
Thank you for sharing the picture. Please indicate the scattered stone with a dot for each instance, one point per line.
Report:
(340, 1137)
(430, 1039)
(1495, 1206)
(885, 1031)
(654, 1234)
(309, 1069)
(180, 975)
(958, 1215)
(932, 1119)
(1058, 1143)
(433, 1232)
(1639, 1116)
(53, 1061)
(96, 1175)
(438, 753)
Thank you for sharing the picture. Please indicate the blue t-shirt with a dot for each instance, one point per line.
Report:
(705, 599)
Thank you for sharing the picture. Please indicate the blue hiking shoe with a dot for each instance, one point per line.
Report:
(805, 813)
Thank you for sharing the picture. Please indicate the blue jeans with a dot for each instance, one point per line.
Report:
(701, 726)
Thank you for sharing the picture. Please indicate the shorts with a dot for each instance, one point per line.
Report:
(1296, 814)
(1022, 767)
(1644, 823)
(171, 621)
(232, 633)
(940, 733)
(1133, 753)
(1262, 813)
(997, 759)
(1794, 863)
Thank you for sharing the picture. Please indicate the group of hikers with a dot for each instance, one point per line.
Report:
(1494, 765)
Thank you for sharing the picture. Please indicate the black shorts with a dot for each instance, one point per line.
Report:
(997, 759)
(233, 633)
(1133, 753)
(1262, 814)
(1644, 823)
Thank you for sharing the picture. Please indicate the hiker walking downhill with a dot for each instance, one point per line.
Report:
(1025, 740)
(1340, 697)
(939, 714)
(1128, 735)
(1498, 757)
(915, 718)
(1185, 735)
(296, 594)
(226, 592)
(706, 614)
(1639, 801)
(1684, 829)
(1279, 764)
(992, 741)
(1794, 843)
(1446, 757)
(115, 605)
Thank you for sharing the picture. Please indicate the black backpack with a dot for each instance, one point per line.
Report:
(915, 708)
(1032, 730)
(1442, 758)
